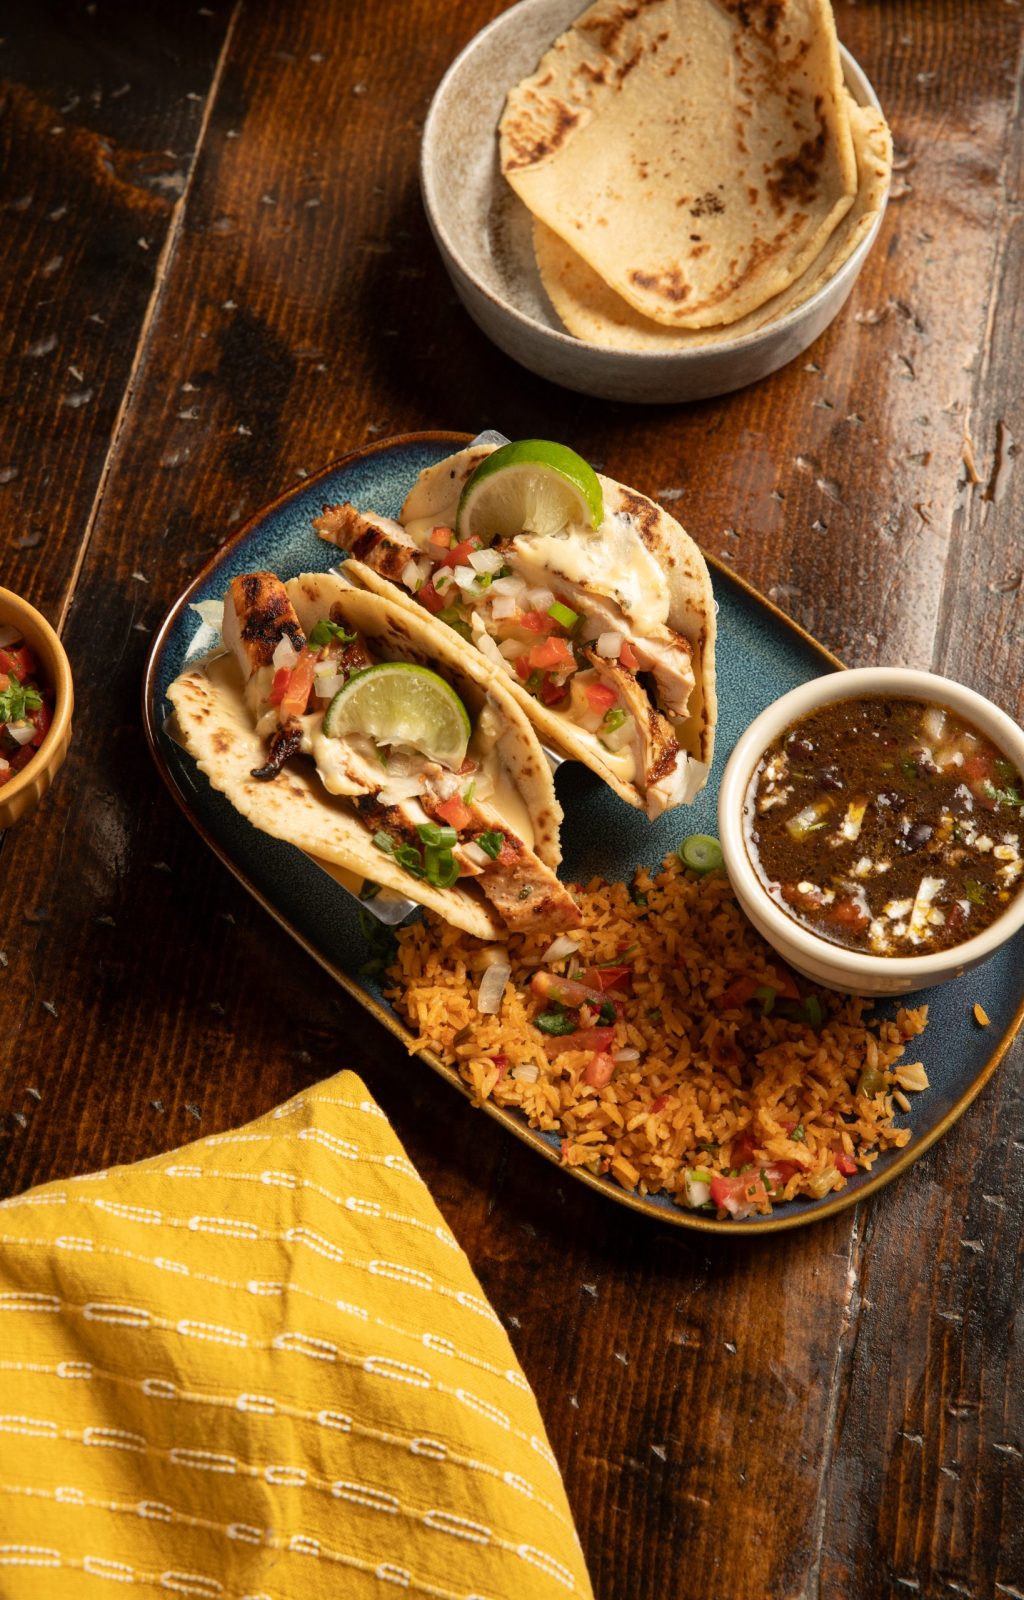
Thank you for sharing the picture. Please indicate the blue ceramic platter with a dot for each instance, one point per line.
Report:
(761, 654)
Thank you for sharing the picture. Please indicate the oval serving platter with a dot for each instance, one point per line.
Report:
(761, 653)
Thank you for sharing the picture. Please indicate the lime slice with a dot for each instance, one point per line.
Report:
(398, 702)
(531, 486)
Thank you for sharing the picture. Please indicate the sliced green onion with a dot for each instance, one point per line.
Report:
(434, 834)
(555, 1022)
(409, 858)
(607, 1012)
(562, 615)
(798, 1132)
(483, 580)
(767, 997)
(613, 719)
(467, 798)
(440, 865)
(490, 844)
(701, 852)
(384, 842)
(370, 890)
(813, 1012)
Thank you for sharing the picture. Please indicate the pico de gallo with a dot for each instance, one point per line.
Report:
(26, 704)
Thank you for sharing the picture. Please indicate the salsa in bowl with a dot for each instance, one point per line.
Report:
(873, 828)
(36, 704)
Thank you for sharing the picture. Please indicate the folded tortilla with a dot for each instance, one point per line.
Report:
(640, 559)
(217, 727)
(696, 154)
(594, 312)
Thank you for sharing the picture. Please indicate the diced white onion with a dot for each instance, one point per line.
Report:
(443, 579)
(540, 600)
(626, 1055)
(485, 560)
(526, 1073)
(490, 956)
(502, 606)
(21, 733)
(620, 736)
(328, 684)
(698, 1193)
(562, 946)
(286, 654)
(512, 585)
(487, 647)
(512, 649)
(492, 987)
(934, 723)
(415, 572)
(325, 668)
(398, 789)
(465, 577)
(447, 785)
(473, 852)
(609, 644)
(8, 636)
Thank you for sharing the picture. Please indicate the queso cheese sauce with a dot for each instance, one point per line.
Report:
(889, 826)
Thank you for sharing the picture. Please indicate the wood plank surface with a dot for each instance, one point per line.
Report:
(830, 1413)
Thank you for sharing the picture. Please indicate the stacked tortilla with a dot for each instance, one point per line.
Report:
(695, 168)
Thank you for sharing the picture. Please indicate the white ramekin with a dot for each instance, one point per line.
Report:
(851, 971)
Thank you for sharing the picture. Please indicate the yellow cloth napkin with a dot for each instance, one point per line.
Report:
(259, 1368)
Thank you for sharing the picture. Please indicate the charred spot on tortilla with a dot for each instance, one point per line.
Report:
(668, 283)
(798, 176)
(762, 18)
(708, 205)
(532, 147)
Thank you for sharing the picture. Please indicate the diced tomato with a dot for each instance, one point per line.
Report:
(743, 1149)
(23, 757)
(600, 696)
(565, 990)
(628, 657)
(780, 1172)
(552, 693)
(536, 622)
(19, 662)
(523, 668)
(501, 1062)
(296, 693)
(429, 597)
(609, 977)
(441, 537)
(738, 992)
(455, 812)
(977, 766)
(850, 913)
(739, 1196)
(460, 553)
(785, 983)
(659, 1104)
(596, 1039)
(845, 1164)
(552, 653)
(599, 1070)
(42, 719)
(279, 685)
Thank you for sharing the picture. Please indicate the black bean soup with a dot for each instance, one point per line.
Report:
(889, 826)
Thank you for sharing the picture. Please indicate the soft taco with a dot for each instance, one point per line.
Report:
(604, 635)
(350, 727)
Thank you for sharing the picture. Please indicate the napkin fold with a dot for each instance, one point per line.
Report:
(259, 1368)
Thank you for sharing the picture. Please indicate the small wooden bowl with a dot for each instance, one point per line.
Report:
(22, 793)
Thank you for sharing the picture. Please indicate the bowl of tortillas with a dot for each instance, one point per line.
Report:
(655, 200)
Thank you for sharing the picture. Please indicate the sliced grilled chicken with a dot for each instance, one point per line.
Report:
(379, 541)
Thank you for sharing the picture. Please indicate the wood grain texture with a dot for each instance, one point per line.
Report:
(832, 1413)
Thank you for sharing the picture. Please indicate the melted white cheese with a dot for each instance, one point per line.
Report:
(610, 560)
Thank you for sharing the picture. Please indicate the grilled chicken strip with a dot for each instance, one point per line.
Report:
(379, 541)
(257, 616)
(655, 744)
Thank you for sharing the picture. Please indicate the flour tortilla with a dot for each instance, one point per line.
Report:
(433, 500)
(595, 313)
(695, 153)
(217, 728)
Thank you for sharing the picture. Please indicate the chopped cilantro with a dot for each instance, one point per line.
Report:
(327, 632)
(490, 844)
(554, 1022)
(18, 700)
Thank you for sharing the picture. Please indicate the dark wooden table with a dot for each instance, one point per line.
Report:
(215, 275)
